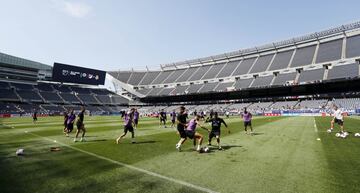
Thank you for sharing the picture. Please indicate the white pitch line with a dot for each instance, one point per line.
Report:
(129, 166)
(316, 129)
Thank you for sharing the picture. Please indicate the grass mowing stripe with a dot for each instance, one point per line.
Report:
(129, 166)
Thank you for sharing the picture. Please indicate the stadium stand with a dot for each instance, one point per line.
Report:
(45, 87)
(224, 86)
(281, 60)
(20, 86)
(311, 75)
(136, 77)
(347, 103)
(187, 74)
(29, 96)
(165, 91)
(353, 46)
(53, 109)
(284, 105)
(51, 97)
(8, 95)
(199, 73)
(163, 75)
(228, 69)
(312, 104)
(244, 66)
(180, 90)
(7, 108)
(208, 87)
(343, 71)
(174, 76)
(283, 79)
(262, 81)
(243, 83)
(213, 71)
(104, 99)
(119, 100)
(149, 77)
(194, 88)
(303, 56)
(88, 99)
(262, 63)
(70, 98)
(329, 51)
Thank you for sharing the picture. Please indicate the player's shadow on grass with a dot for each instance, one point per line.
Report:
(144, 142)
(227, 147)
(96, 140)
(258, 133)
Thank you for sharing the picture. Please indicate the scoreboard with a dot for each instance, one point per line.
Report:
(75, 74)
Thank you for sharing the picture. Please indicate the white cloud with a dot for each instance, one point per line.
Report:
(72, 8)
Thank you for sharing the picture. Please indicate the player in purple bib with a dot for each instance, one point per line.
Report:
(247, 116)
(191, 131)
(128, 126)
(70, 121)
(173, 118)
(136, 118)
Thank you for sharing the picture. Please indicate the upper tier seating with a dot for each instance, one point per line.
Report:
(344, 71)
(8, 95)
(27, 95)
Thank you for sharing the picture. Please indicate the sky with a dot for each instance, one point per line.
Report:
(133, 34)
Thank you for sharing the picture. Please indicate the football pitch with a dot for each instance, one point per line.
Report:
(284, 155)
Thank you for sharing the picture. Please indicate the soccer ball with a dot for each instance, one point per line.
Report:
(337, 134)
(329, 130)
(20, 152)
(357, 134)
(343, 135)
(204, 150)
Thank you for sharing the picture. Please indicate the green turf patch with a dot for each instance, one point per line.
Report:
(283, 156)
(343, 155)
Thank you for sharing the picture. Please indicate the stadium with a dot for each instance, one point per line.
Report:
(292, 90)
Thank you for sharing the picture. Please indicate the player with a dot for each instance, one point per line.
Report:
(247, 116)
(338, 118)
(66, 116)
(128, 126)
(136, 118)
(211, 114)
(227, 113)
(181, 124)
(173, 118)
(34, 116)
(202, 116)
(215, 128)
(162, 116)
(70, 121)
(80, 125)
(191, 131)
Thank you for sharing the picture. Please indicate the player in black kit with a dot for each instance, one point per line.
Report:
(80, 125)
(215, 131)
(162, 116)
(181, 124)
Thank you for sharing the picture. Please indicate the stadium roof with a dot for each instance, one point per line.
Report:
(275, 45)
(13, 60)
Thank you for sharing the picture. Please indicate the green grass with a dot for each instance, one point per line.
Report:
(283, 156)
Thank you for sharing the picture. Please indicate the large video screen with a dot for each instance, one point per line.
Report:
(75, 74)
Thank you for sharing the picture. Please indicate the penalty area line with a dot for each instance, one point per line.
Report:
(128, 166)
